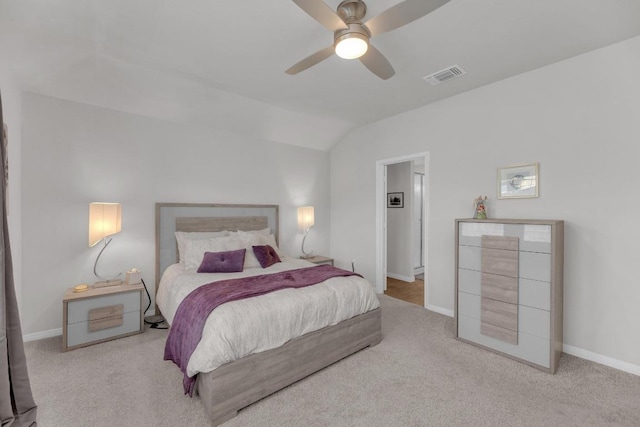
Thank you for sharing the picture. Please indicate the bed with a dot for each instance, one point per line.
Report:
(232, 377)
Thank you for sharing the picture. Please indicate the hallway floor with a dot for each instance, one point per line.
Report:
(410, 292)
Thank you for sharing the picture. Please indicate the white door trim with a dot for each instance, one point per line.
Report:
(381, 219)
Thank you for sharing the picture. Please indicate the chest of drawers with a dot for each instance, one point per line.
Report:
(508, 289)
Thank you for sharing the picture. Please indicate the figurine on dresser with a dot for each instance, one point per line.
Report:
(481, 212)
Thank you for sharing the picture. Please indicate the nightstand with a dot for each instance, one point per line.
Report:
(320, 260)
(101, 314)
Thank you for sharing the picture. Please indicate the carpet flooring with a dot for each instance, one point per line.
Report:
(419, 375)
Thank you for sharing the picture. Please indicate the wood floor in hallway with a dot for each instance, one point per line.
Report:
(410, 292)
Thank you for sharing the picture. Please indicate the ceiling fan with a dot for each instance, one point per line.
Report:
(351, 36)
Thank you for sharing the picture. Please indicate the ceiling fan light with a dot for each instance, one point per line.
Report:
(351, 46)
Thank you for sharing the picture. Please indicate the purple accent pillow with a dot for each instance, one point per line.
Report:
(222, 262)
(267, 256)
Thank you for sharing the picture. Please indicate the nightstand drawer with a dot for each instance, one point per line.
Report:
(79, 333)
(78, 311)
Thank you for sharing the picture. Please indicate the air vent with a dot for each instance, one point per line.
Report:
(444, 75)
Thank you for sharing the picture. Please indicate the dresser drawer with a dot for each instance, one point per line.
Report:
(500, 288)
(469, 305)
(500, 262)
(469, 257)
(535, 266)
(532, 321)
(469, 281)
(536, 238)
(532, 237)
(535, 294)
(529, 347)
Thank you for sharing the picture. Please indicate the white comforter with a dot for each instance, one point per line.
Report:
(240, 328)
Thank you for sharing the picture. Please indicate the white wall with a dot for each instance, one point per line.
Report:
(399, 242)
(580, 120)
(74, 154)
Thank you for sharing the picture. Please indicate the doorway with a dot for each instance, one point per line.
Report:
(384, 213)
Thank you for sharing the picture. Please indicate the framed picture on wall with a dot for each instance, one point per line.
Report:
(517, 182)
(395, 200)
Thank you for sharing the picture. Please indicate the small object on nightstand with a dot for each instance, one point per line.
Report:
(81, 288)
(133, 276)
(319, 260)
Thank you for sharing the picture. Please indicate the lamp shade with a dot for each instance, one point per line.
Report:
(105, 219)
(305, 218)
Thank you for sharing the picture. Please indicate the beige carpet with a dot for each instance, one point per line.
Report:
(418, 376)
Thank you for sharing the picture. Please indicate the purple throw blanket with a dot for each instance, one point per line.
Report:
(189, 320)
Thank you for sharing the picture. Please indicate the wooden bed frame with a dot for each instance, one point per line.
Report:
(235, 385)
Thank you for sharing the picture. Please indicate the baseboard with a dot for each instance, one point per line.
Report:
(603, 360)
(403, 278)
(569, 349)
(42, 335)
(440, 310)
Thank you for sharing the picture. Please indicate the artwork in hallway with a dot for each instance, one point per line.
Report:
(395, 200)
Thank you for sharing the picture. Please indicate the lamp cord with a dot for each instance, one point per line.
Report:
(153, 325)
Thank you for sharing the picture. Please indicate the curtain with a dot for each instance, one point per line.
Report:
(17, 407)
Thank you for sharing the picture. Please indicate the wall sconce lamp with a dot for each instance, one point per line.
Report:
(105, 219)
(305, 222)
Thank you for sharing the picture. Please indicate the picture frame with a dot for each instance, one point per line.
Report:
(395, 200)
(519, 181)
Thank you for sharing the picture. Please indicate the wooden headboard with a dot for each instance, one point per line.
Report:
(231, 223)
(172, 217)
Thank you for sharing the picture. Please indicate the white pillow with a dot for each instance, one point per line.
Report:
(195, 249)
(263, 232)
(260, 239)
(183, 236)
(271, 241)
(249, 240)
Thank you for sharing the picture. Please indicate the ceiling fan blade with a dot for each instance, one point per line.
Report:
(311, 60)
(401, 14)
(377, 63)
(322, 13)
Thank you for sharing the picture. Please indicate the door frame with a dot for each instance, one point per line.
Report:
(381, 218)
(422, 245)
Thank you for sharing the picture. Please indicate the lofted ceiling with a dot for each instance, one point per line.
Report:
(221, 64)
